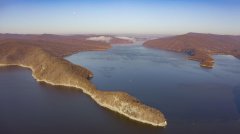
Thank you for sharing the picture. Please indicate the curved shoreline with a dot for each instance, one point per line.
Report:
(49, 69)
(198, 46)
(163, 124)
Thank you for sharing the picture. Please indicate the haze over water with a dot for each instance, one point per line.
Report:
(193, 99)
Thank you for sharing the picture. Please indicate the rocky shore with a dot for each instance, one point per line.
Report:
(54, 70)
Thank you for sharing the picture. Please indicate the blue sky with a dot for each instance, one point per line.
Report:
(120, 16)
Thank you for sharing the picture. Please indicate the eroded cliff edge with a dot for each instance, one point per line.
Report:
(199, 46)
(54, 70)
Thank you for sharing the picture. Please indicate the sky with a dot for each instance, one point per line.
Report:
(120, 16)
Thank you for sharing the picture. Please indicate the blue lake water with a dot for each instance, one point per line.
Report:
(193, 99)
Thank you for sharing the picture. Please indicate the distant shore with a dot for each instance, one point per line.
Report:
(199, 46)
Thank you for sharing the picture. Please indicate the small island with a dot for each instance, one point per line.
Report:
(43, 55)
(198, 46)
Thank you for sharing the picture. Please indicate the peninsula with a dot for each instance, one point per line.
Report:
(198, 46)
(43, 55)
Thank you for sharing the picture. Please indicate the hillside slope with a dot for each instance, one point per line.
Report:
(58, 45)
(199, 47)
(54, 70)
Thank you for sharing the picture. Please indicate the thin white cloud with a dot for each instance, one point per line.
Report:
(126, 38)
(100, 38)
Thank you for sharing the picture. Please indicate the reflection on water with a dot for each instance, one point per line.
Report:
(236, 93)
(194, 100)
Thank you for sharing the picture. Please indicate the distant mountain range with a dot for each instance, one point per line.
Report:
(62, 45)
(74, 42)
(198, 46)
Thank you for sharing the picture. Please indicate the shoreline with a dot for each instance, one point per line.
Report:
(47, 63)
(103, 49)
(105, 105)
(199, 46)
(204, 63)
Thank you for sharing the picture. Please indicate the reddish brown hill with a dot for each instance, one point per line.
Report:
(59, 45)
(198, 46)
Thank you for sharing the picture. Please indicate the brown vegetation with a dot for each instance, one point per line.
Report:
(59, 45)
(199, 47)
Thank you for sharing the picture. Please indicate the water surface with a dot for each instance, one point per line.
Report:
(193, 99)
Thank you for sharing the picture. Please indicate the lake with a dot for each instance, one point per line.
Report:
(193, 99)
